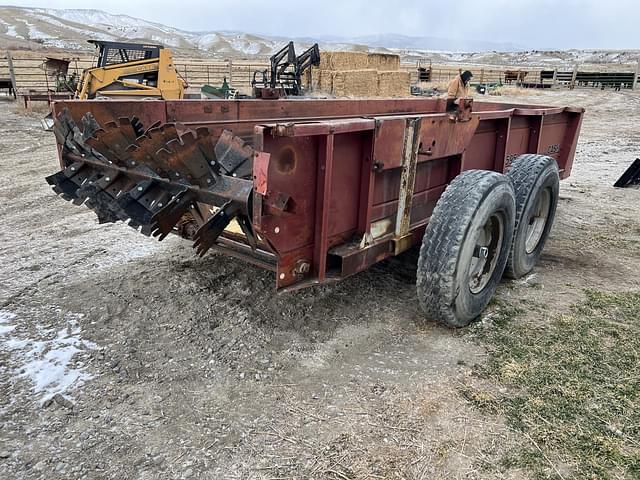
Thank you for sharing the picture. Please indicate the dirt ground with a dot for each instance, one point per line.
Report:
(172, 366)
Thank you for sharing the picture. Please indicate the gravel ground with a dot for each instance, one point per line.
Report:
(121, 357)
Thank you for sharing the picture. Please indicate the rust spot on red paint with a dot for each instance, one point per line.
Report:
(286, 161)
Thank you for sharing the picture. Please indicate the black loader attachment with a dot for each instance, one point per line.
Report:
(631, 175)
(159, 180)
(284, 77)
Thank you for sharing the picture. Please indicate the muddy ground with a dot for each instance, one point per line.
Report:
(172, 366)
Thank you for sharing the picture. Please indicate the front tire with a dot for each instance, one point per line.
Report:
(537, 185)
(465, 247)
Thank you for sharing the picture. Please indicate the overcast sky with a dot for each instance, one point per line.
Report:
(612, 24)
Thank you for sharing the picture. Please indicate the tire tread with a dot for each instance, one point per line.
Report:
(443, 240)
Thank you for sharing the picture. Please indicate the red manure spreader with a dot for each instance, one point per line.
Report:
(318, 190)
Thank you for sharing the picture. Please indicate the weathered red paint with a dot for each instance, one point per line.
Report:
(328, 173)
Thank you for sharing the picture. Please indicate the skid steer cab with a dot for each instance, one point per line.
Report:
(134, 71)
(131, 70)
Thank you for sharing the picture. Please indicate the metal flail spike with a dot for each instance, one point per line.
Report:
(112, 140)
(233, 155)
(133, 204)
(152, 179)
(205, 143)
(137, 157)
(61, 128)
(68, 135)
(138, 127)
(81, 184)
(185, 157)
(127, 128)
(101, 192)
(103, 205)
(63, 183)
(151, 127)
(89, 125)
(165, 219)
(164, 159)
(247, 229)
(209, 232)
(159, 135)
(143, 152)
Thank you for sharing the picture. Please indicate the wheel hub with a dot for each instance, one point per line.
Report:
(537, 221)
(486, 253)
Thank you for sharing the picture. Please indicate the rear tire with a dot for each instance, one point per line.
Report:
(537, 185)
(465, 247)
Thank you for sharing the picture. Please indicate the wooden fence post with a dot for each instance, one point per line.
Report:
(572, 85)
(555, 77)
(12, 74)
(636, 79)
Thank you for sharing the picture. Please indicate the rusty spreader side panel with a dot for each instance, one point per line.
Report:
(335, 185)
(377, 181)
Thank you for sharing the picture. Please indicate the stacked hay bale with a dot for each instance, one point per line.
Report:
(394, 84)
(360, 74)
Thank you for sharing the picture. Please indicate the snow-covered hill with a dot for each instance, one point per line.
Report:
(71, 28)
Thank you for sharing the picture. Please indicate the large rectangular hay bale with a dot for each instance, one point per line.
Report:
(383, 62)
(312, 78)
(340, 61)
(394, 84)
(325, 80)
(355, 83)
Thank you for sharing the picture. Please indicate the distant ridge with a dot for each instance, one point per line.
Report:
(69, 29)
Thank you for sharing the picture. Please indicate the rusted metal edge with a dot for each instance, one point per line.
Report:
(225, 189)
(242, 251)
(407, 184)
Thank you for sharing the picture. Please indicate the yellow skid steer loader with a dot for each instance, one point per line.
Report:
(129, 71)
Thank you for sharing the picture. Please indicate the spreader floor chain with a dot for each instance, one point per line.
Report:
(156, 179)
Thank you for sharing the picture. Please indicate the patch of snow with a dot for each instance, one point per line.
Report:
(84, 32)
(11, 29)
(6, 317)
(47, 360)
(207, 41)
(247, 47)
(166, 41)
(35, 34)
